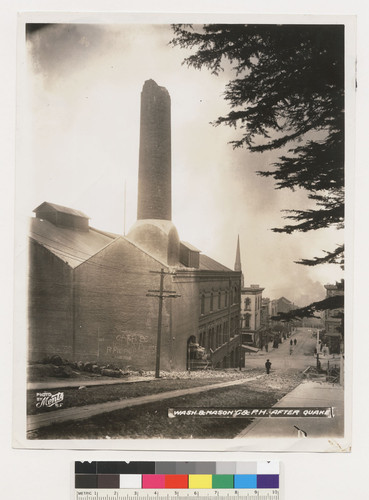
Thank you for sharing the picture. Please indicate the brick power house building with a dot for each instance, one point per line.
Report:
(93, 294)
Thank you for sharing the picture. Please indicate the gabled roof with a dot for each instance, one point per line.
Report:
(190, 247)
(209, 264)
(61, 209)
(285, 300)
(72, 247)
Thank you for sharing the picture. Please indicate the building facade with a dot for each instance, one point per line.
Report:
(219, 313)
(264, 313)
(333, 320)
(280, 330)
(251, 306)
(282, 305)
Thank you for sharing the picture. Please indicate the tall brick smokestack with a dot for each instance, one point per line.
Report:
(154, 173)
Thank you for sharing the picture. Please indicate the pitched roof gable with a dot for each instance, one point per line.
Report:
(59, 208)
(72, 247)
(209, 264)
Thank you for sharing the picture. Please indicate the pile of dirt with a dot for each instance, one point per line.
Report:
(38, 372)
(57, 367)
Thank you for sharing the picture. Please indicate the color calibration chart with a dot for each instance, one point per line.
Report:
(257, 480)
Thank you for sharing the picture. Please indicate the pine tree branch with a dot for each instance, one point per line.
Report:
(335, 257)
(329, 303)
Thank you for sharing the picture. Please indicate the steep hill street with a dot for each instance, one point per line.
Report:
(301, 357)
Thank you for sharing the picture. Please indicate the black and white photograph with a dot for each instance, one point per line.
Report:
(180, 216)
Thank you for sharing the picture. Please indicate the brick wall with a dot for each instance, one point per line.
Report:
(49, 304)
(115, 321)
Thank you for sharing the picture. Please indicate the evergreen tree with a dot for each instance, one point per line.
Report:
(287, 90)
(329, 303)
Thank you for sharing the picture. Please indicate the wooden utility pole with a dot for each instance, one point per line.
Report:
(161, 294)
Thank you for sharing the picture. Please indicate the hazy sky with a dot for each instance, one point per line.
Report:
(81, 116)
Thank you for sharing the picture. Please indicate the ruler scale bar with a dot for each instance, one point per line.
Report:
(117, 494)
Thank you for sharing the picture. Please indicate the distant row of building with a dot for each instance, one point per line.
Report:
(258, 327)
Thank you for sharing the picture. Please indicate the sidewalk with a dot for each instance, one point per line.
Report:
(83, 412)
(306, 395)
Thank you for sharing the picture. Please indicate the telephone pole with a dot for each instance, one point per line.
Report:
(161, 294)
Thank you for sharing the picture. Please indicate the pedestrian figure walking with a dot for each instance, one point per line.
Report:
(268, 364)
(295, 341)
(291, 342)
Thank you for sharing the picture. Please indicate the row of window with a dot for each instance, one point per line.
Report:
(214, 337)
(216, 298)
(217, 335)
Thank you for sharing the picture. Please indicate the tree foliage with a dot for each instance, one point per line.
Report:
(329, 303)
(287, 92)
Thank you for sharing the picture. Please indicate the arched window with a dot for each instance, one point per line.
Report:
(219, 300)
(214, 336)
(211, 301)
(202, 307)
(219, 335)
(225, 332)
(235, 296)
(247, 304)
(226, 299)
